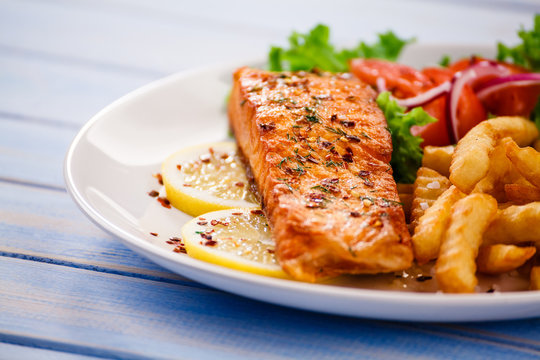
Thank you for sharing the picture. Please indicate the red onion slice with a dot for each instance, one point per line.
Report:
(425, 97)
(462, 78)
(500, 83)
(381, 85)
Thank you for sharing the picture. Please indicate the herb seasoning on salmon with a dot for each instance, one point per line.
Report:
(319, 151)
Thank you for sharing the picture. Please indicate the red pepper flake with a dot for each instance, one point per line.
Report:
(159, 178)
(206, 236)
(153, 193)
(355, 214)
(353, 138)
(270, 251)
(170, 242)
(154, 234)
(186, 185)
(205, 158)
(333, 118)
(180, 249)
(218, 222)
(210, 243)
(364, 173)
(164, 202)
(267, 127)
(312, 159)
(347, 157)
(175, 239)
(236, 213)
(211, 150)
(239, 184)
(326, 144)
(256, 212)
(348, 123)
(202, 223)
(224, 156)
(201, 218)
(179, 167)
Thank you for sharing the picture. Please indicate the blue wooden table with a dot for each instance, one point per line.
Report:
(69, 290)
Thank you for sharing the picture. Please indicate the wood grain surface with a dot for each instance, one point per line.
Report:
(68, 290)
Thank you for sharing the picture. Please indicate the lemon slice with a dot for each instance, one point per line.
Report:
(207, 177)
(235, 238)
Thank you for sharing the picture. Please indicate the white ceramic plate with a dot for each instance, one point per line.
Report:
(108, 172)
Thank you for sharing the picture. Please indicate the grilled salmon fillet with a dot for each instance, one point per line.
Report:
(319, 151)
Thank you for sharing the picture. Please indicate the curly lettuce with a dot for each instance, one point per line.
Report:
(526, 54)
(407, 153)
(314, 50)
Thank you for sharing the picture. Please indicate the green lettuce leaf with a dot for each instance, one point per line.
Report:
(535, 116)
(314, 50)
(526, 54)
(407, 153)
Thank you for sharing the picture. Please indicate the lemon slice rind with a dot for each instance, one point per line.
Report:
(191, 200)
(196, 248)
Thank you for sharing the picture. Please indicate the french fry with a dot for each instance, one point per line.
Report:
(535, 278)
(521, 194)
(431, 226)
(499, 167)
(536, 145)
(505, 205)
(470, 161)
(526, 160)
(498, 259)
(438, 158)
(428, 186)
(515, 225)
(456, 266)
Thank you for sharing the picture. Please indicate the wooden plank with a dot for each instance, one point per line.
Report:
(33, 152)
(59, 93)
(18, 352)
(46, 225)
(102, 311)
(480, 21)
(136, 38)
(156, 36)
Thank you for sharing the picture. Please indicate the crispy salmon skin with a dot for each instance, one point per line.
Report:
(319, 151)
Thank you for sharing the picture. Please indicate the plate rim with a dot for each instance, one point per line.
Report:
(145, 248)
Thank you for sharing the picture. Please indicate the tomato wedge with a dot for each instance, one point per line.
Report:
(404, 82)
(516, 100)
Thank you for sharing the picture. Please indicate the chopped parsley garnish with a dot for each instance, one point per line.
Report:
(445, 60)
(333, 163)
(320, 187)
(312, 118)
